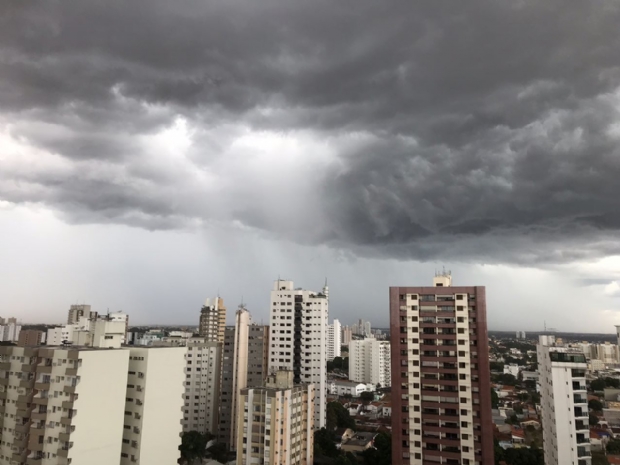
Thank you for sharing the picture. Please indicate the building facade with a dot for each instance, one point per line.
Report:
(153, 405)
(202, 385)
(30, 338)
(334, 341)
(298, 339)
(347, 335)
(246, 348)
(370, 362)
(76, 312)
(213, 320)
(62, 405)
(10, 332)
(276, 423)
(564, 403)
(105, 331)
(440, 375)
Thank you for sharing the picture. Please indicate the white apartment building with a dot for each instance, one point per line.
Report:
(202, 385)
(275, 425)
(62, 405)
(153, 407)
(76, 312)
(298, 339)
(341, 387)
(370, 362)
(106, 331)
(10, 332)
(564, 403)
(334, 342)
(347, 335)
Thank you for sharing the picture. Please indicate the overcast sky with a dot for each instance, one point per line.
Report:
(155, 153)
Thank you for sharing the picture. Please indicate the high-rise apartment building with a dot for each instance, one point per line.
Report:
(30, 338)
(362, 328)
(77, 312)
(62, 405)
(213, 320)
(10, 332)
(334, 341)
(347, 335)
(244, 364)
(298, 339)
(440, 375)
(202, 385)
(275, 423)
(564, 403)
(71, 405)
(153, 404)
(370, 362)
(106, 331)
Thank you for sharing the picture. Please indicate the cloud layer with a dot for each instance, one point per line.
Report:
(480, 130)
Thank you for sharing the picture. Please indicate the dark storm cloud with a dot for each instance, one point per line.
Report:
(474, 129)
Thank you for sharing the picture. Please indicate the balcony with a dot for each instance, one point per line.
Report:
(5, 365)
(579, 399)
(580, 413)
(583, 452)
(22, 428)
(4, 381)
(582, 439)
(69, 389)
(66, 421)
(42, 386)
(26, 368)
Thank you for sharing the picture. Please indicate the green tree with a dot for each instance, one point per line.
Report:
(613, 446)
(367, 397)
(324, 443)
(338, 417)
(381, 454)
(524, 456)
(593, 420)
(496, 366)
(595, 405)
(598, 384)
(193, 445)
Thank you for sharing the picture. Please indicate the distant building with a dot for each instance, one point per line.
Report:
(10, 332)
(106, 331)
(202, 385)
(370, 362)
(341, 387)
(564, 403)
(362, 328)
(347, 335)
(246, 348)
(30, 337)
(213, 320)
(275, 425)
(334, 342)
(77, 312)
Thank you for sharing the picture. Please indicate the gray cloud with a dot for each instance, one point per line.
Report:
(484, 130)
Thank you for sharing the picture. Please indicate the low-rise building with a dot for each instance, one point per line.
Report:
(348, 388)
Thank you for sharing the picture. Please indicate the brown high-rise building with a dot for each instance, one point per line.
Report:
(29, 338)
(213, 320)
(441, 388)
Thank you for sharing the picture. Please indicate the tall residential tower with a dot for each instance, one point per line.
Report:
(298, 339)
(564, 403)
(440, 375)
(213, 320)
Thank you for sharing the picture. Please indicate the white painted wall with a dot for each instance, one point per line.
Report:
(100, 406)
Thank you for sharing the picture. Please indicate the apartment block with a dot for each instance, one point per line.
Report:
(347, 335)
(10, 332)
(105, 331)
(30, 338)
(202, 385)
(298, 339)
(334, 341)
(370, 362)
(77, 312)
(275, 425)
(564, 403)
(213, 320)
(62, 405)
(440, 375)
(153, 406)
(244, 364)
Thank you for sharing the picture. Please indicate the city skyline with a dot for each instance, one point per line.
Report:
(144, 171)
